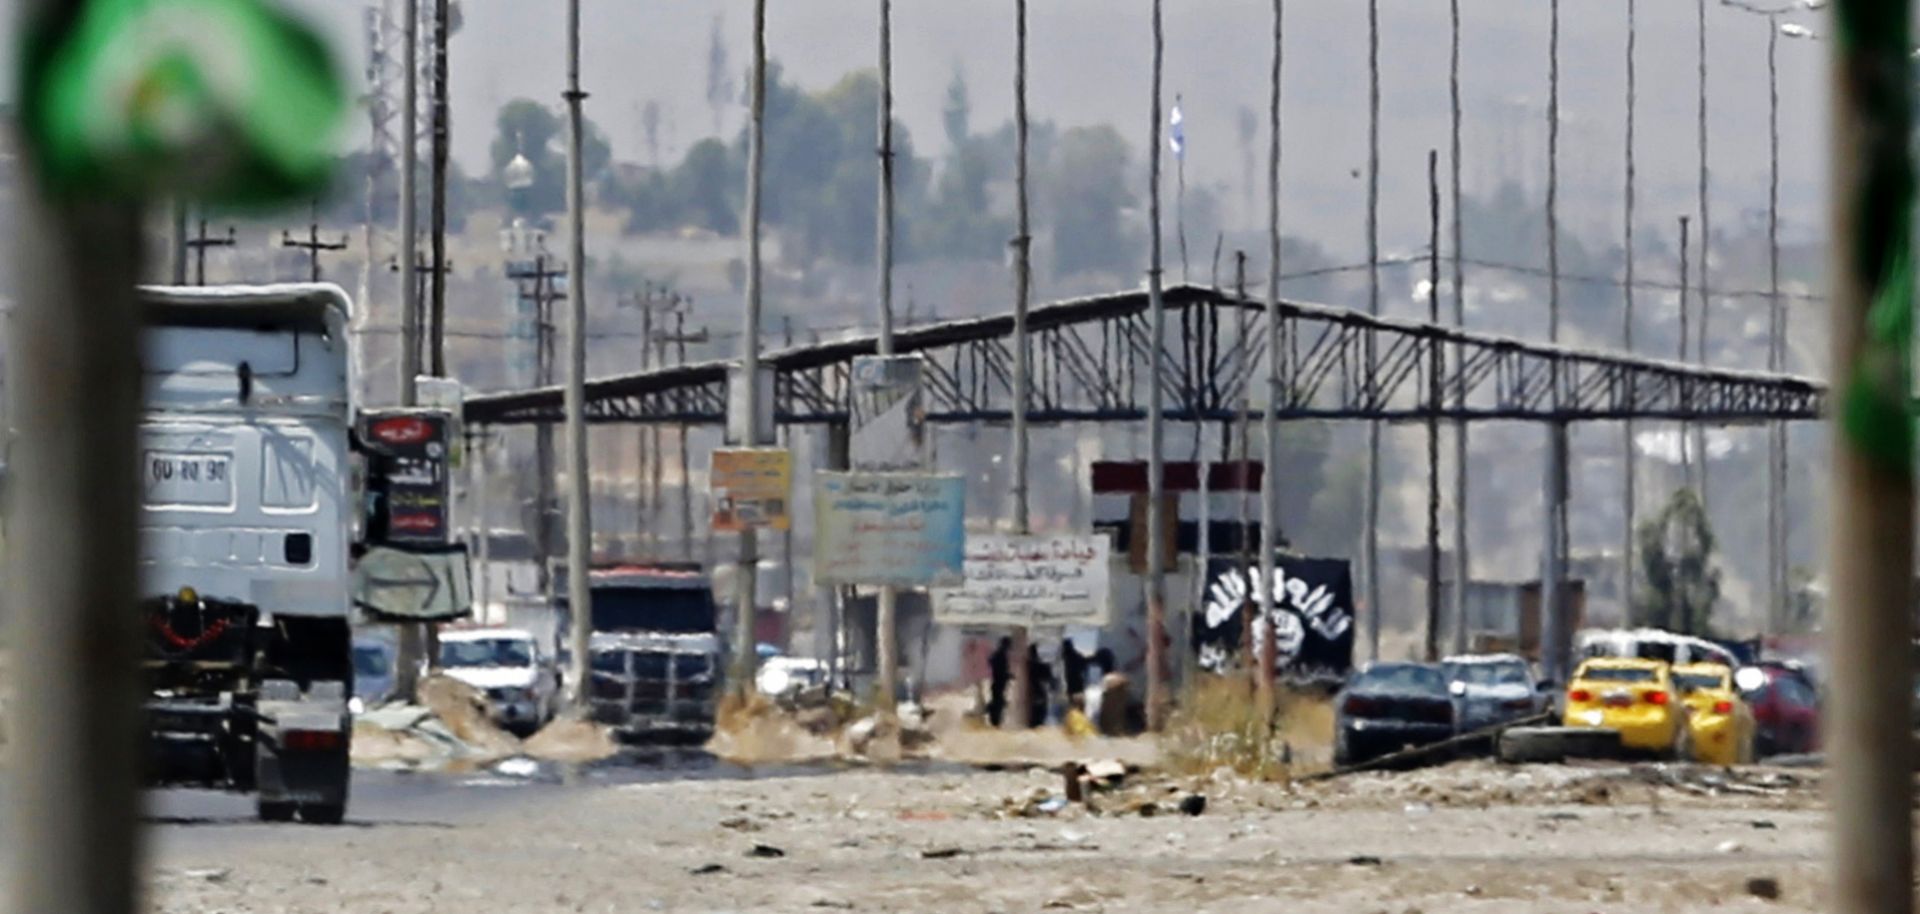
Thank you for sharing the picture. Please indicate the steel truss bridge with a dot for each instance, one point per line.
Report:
(1090, 363)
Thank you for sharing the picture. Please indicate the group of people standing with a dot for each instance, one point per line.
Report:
(1080, 687)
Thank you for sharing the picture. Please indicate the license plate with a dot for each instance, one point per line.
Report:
(1618, 700)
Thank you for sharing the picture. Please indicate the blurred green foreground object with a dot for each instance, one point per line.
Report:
(223, 101)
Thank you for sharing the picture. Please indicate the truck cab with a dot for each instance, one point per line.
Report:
(657, 660)
(245, 516)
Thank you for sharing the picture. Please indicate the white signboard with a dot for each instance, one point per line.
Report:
(888, 416)
(1035, 581)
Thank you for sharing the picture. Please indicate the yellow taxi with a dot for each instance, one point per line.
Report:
(1635, 697)
(1720, 723)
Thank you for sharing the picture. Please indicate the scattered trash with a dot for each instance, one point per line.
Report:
(1417, 809)
(1107, 772)
(766, 852)
(1193, 804)
(1729, 847)
(1764, 824)
(211, 874)
(741, 824)
(707, 869)
(941, 853)
(1765, 887)
(518, 767)
(1051, 805)
(924, 815)
(1364, 860)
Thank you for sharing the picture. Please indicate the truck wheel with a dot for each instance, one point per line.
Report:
(275, 811)
(323, 813)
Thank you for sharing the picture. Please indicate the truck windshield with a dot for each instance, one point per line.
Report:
(486, 652)
(680, 610)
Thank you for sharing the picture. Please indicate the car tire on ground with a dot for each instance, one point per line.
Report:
(1555, 744)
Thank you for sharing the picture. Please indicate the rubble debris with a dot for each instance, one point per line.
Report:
(741, 824)
(1765, 887)
(572, 741)
(707, 869)
(1365, 860)
(941, 853)
(766, 852)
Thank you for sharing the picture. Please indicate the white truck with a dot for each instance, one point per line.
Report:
(248, 504)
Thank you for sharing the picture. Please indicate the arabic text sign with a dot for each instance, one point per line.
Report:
(900, 529)
(1030, 580)
(750, 488)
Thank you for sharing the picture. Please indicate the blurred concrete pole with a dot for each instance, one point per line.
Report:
(580, 479)
(1020, 700)
(1706, 262)
(1776, 350)
(1156, 636)
(1370, 548)
(1435, 369)
(1627, 454)
(1555, 635)
(1270, 419)
(1870, 746)
(409, 160)
(75, 747)
(1461, 570)
(746, 598)
(887, 612)
(177, 244)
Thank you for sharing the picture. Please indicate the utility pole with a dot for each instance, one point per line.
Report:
(200, 242)
(745, 587)
(1157, 697)
(679, 338)
(1270, 420)
(1555, 636)
(1872, 539)
(409, 228)
(1706, 254)
(312, 244)
(1020, 703)
(1370, 552)
(1628, 454)
(580, 483)
(541, 288)
(437, 365)
(887, 636)
(1462, 570)
(1435, 368)
(1776, 347)
(1686, 440)
(74, 823)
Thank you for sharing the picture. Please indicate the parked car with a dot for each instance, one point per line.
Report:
(508, 666)
(373, 676)
(1386, 707)
(1494, 689)
(1719, 721)
(1634, 697)
(1786, 707)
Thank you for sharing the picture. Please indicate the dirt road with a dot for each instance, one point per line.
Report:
(1471, 837)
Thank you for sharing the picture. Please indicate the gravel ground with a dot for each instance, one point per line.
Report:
(1470, 837)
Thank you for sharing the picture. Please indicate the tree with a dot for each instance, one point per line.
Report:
(526, 127)
(1676, 559)
(1088, 188)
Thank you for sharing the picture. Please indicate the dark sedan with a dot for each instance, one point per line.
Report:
(1387, 707)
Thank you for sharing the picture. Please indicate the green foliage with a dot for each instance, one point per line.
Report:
(526, 127)
(1677, 564)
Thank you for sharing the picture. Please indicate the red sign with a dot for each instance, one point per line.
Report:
(401, 430)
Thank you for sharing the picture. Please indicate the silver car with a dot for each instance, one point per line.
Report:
(1495, 689)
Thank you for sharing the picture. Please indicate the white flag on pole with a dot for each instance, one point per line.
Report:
(1177, 131)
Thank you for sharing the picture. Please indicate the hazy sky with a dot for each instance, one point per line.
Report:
(1090, 64)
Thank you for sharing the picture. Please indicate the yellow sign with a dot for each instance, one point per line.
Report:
(749, 487)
